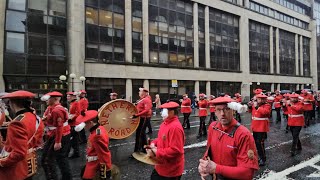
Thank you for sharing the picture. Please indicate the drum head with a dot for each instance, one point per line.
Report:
(115, 115)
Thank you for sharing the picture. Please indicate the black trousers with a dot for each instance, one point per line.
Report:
(149, 124)
(286, 117)
(308, 117)
(202, 128)
(212, 118)
(278, 114)
(156, 176)
(296, 144)
(49, 157)
(259, 138)
(74, 141)
(238, 117)
(141, 138)
(186, 120)
(83, 138)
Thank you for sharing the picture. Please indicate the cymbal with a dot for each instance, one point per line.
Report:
(143, 157)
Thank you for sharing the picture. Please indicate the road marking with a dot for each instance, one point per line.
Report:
(282, 175)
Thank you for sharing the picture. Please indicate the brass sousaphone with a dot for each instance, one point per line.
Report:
(115, 117)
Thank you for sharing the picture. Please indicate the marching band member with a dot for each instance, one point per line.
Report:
(308, 106)
(74, 112)
(260, 124)
(168, 147)
(202, 104)
(144, 106)
(270, 100)
(295, 122)
(186, 111)
(212, 110)
(18, 157)
(57, 146)
(113, 96)
(231, 151)
(83, 107)
(98, 153)
(238, 100)
(286, 102)
(277, 104)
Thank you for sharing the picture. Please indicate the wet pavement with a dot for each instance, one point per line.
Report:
(280, 165)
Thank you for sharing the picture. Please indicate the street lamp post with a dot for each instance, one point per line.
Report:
(62, 78)
(72, 76)
(82, 79)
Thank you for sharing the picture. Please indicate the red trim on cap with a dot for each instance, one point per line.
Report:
(89, 116)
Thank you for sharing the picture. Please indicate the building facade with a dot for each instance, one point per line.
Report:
(208, 46)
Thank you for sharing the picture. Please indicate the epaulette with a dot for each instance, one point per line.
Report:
(19, 117)
(98, 131)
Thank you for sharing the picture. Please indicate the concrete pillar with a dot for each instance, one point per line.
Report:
(297, 54)
(208, 89)
(278, 86)
(271, 49)
(207, 36)
(145, 31)
(146, 84)
(195, 36)
(129, 90)
(128, 30)
(246, 3)
(277, 52)
(244, 46)
(313, 55)
(240, 2)
(302, 86)
(245, 91)
(272, 87)
(297, 87)
(2, 20)
(76, 42)
(196, 88)
(301, 55)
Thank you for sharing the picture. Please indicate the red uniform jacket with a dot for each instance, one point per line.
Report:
(144, 107)
(212, 107)
(74, 111)
(203, 104)
(170, 152)
(277, 100)
(295, 114)
(260, 118)
(308, 101)
(58, 123)
(97, 147)
(83, 104)
(21, 136)
(186, 106)
(234, 152)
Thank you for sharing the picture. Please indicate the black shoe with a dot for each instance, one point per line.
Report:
(199, 136)
(292, 153)
(287, 131)
(262, 162)
(74, 156)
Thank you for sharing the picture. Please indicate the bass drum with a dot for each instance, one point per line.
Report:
(115, 117)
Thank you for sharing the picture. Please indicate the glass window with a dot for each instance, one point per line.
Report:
(17, 4)
(136, 9)
(92, 33)
(91, 16)
(57, 46)
(57, 26)
(92, 51)
(136, 24)
(57, 7)
(37, 45)
(93, 2)
(38, 6)
(105, 18)
(15, 43)
(14, 64)
(15, 21)
(37, 65)
(118, 21)
(37, 23)
(56, 65)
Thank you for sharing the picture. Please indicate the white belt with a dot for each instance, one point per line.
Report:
(92, 158)
(277, 102)
(295, 115)
(185, 106)
(306, 103)
(203, 108)
(259, 119)
(53, 128)
(212, 106)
